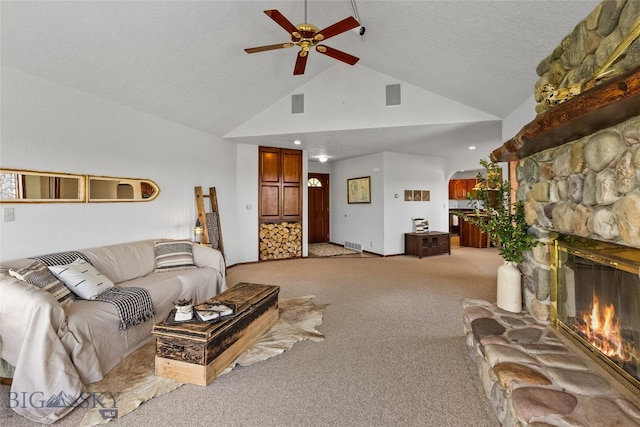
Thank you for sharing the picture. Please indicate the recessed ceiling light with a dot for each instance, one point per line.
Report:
(323, 159)
(472, 147)
(297, 142)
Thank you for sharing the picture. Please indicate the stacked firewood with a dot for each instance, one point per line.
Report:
(281, 240)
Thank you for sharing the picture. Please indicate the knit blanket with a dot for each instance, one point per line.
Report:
(133, 304)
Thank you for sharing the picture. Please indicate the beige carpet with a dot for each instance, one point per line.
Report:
(134, 378)
(328, 249)
(394, 352)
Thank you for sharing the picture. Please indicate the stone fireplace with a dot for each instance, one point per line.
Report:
(578, 175)
(596, 302)
(586, 190)
(578, 165)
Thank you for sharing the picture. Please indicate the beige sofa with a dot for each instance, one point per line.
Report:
(56, 350)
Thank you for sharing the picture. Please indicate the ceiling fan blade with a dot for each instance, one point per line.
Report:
(337, 54)
(339, 27)
(284, 23)
(268, 47)
(301, 63)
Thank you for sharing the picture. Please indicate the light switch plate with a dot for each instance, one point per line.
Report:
(7, 214)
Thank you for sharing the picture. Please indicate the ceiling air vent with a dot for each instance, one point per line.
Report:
(297, 104)
(393, 95)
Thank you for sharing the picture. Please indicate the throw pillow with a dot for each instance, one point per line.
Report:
(38, 274)
(82, 278)
(60, 258)
(174, 255)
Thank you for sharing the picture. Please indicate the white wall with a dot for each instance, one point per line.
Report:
(48, 127)
(409, 172)
(358, 223)
(317, 167)
(246, 232)
(522, 115)
(354, 98)
(380, 226)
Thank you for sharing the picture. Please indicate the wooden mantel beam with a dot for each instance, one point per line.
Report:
(600, 107)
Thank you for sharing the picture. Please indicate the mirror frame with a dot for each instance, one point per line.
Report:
(80, 178)
(90, 178)
(84, 187)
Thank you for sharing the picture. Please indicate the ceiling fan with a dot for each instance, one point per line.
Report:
(307, 36)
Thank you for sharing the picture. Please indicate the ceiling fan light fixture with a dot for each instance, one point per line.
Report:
(306, 36)
(307, 28)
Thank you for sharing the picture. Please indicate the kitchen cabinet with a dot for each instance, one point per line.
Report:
(471, 235)
(459, 188)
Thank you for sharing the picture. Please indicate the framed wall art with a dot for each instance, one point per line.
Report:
(359, 190)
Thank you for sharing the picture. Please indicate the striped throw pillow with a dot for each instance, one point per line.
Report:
(38, 274)
(174, 255)
(61, 258)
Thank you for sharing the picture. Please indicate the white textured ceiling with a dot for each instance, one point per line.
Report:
(184, 60)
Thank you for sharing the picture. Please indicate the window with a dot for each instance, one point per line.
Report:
(314, 182)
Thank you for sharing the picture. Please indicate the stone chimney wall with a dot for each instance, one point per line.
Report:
(589, 188)
(585, 50)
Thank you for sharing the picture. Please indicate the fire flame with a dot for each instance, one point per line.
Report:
(602, 329)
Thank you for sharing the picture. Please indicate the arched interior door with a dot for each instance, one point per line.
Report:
(318, 186)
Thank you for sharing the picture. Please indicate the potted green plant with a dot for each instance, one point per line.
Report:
(504, 222)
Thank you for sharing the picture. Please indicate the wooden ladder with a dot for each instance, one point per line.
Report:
(209, 230)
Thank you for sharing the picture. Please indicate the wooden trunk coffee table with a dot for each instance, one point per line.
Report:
(197, 352)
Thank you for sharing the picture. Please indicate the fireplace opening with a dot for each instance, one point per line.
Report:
(595, 301)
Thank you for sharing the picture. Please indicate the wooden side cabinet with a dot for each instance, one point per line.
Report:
(427, 244)
(280, 175)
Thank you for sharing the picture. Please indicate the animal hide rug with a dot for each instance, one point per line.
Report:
(134, 377)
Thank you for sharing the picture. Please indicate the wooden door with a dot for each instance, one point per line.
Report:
(291, 184)
(318, 208)
(269, 179)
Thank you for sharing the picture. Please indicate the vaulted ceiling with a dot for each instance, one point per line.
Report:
(184, 61)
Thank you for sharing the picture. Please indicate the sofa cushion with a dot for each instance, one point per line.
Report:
(174, 255)
(125, 261)
(82, 278)
(38, 274)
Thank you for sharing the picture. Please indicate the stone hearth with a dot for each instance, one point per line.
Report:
(535, 377)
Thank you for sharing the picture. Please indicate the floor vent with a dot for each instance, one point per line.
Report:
(354, 246)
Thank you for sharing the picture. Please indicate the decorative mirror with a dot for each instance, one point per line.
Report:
(114, 189)
(20, 186)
